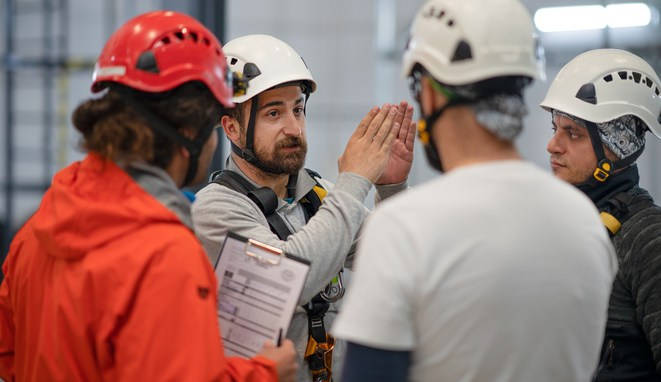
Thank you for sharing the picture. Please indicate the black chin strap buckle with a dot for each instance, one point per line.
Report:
(602, 172)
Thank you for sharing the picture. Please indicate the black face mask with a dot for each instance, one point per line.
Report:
(425, 127)
(425, 136)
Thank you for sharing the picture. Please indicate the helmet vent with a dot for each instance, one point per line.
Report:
(233, 61)
(608, 78)
(648, 82)
(440, 15)
(250, 71)
(450, 23)
(147, 62)
(179, 35)
(206, 41)
(587, 93)
(622, 74)
(656, 90)
(165, 40)
(636, 77)
(462, 52)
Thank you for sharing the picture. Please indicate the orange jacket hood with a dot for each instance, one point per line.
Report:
(89, 204)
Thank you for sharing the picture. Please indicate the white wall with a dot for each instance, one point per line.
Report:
(353, 49)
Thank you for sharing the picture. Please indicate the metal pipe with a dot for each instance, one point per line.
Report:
(9, 124)
(47, 116)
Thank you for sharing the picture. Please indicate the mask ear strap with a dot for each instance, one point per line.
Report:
(426, 124)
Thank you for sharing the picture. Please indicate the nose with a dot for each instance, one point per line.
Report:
(293, 126)
(554, 146)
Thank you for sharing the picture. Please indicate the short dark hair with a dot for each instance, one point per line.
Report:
(236, 112)
(112, 129)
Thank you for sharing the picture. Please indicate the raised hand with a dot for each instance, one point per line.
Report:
(401, 155)
(368, 149)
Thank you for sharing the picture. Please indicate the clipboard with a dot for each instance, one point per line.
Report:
(259, 287)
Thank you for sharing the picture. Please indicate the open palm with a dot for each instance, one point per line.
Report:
(401, 154)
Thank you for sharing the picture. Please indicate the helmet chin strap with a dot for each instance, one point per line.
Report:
(165, 128)
(248, 153)
(605, 167)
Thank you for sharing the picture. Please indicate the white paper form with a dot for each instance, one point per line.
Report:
(258, 289)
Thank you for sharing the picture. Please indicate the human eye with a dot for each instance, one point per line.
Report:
(298, 110)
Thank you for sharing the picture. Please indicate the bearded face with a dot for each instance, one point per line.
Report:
(279, 136)
(286, 157)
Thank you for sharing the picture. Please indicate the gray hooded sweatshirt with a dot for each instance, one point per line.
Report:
(327, 240)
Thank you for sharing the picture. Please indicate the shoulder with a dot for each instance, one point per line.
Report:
(642, 229)
(645, 220)
(317, 178)
(173, 242)
(215, 196)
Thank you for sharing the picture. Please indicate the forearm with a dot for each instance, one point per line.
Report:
(385, 191)
(368, 364)
(325, 240)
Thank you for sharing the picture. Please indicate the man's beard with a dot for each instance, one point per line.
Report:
(281, 162)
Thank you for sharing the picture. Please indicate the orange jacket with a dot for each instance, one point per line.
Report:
(104, 283)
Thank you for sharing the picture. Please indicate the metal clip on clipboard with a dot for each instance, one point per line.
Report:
(253, 246)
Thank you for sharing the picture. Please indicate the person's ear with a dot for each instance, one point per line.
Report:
(232, 129)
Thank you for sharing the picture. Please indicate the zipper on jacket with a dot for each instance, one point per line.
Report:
(606, 360)
(610, 350)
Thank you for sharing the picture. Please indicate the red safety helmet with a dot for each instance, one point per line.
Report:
(160, 50)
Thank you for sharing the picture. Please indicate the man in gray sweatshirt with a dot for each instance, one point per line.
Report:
(309, 217)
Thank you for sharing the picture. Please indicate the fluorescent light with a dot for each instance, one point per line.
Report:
(585, 17)
(558, 19)
(628, 15)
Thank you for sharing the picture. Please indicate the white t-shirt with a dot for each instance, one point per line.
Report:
(493, 272)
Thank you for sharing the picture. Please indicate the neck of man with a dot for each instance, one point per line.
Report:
(620, 181)
(276, 182)
(177, 169)
(462, 141)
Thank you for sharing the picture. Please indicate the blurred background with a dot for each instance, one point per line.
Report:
(354, 48)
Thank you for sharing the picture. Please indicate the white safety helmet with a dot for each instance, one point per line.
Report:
(463, 42)
(265, 62)
(604, 84)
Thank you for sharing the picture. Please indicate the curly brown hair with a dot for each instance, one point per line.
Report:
(112, 129)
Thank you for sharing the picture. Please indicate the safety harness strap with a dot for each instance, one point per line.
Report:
(263, 197)
(615, 212)
(319, 350)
